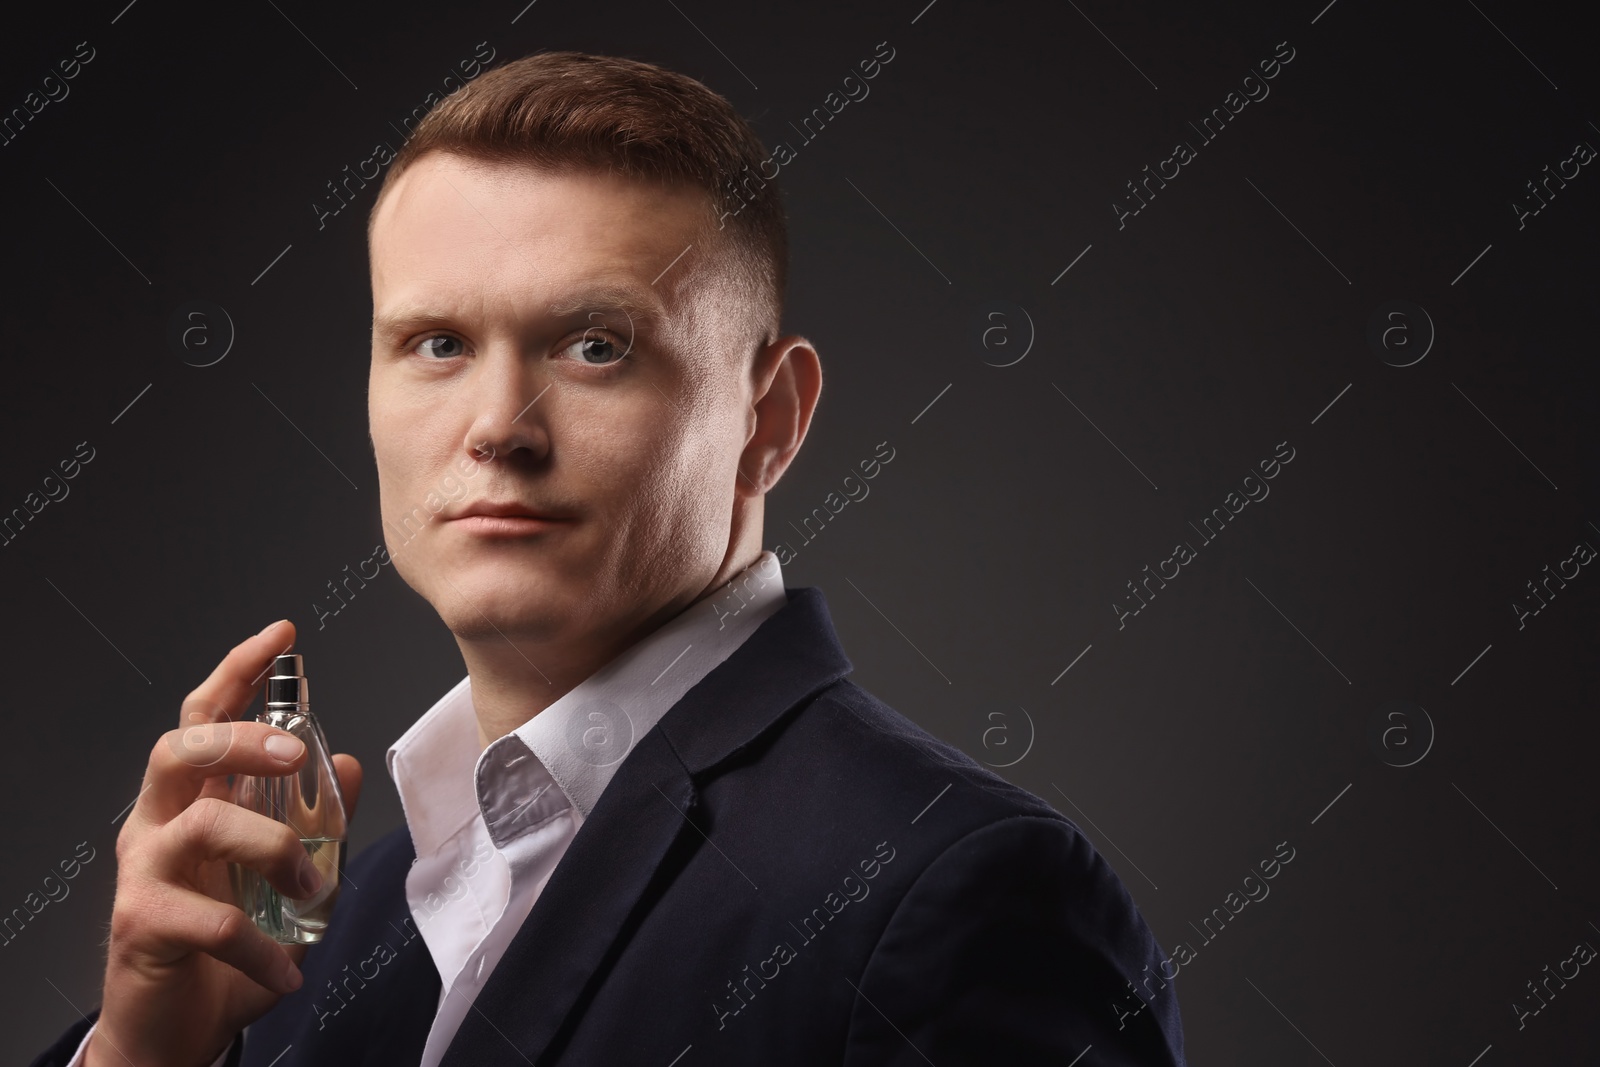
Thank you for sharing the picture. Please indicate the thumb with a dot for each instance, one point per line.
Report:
(348, 768)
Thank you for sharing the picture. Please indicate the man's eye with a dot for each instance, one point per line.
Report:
(440, 347)
(596, 351)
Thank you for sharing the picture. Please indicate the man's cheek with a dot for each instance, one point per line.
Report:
(405, 565)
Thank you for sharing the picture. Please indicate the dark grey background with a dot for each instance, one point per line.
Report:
(1225, 318)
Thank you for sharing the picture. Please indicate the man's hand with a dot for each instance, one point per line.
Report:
(186, 969)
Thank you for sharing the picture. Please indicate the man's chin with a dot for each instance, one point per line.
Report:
(478, 604)
(492, 624)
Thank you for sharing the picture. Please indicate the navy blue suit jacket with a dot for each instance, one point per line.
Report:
(784, 870)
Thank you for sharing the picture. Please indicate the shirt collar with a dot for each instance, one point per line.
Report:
(577, 742)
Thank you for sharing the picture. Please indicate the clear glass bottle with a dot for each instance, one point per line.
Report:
(308, 801)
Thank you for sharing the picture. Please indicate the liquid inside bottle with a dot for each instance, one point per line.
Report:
(308, 802)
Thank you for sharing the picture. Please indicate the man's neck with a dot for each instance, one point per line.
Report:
(512, 681)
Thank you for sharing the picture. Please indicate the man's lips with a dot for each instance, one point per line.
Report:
(508, 525)
(508, 510)
(507, 519)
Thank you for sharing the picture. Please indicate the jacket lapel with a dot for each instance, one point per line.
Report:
(582, 911)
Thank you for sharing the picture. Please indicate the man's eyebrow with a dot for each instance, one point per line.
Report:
(407, 319)
(640, 307)
(642, 311)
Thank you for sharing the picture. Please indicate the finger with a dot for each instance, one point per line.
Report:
(227, 692)
(173, 922)
(182, 761)
(212, 830)
(348, 768)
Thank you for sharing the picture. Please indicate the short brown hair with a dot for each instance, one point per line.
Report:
(575, 111)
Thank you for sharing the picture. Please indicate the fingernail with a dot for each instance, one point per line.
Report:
(310, 877)
(265, 630)
(284, 747)
(291, 976)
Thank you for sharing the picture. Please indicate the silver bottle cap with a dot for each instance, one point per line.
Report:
(286, 684)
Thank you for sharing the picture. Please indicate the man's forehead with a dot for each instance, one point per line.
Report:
(566, 241)
(444, 198)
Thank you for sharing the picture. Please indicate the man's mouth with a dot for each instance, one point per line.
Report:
(508, 519)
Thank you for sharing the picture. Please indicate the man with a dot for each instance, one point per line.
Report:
(655, 823)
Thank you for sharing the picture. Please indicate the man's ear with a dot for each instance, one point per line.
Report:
(786, 382)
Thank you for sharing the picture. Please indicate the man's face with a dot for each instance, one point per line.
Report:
(536, 344)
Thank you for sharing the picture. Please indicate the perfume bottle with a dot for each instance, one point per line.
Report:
(307, 801)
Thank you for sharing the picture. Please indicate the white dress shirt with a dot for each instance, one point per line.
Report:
(489, 827)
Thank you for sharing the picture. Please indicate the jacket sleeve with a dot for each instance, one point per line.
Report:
(1017, 945)
(65, 1052)
(66, 1046)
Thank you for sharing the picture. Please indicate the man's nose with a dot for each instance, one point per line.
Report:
(505, 392)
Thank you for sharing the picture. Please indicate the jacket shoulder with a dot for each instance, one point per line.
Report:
(910, 758)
